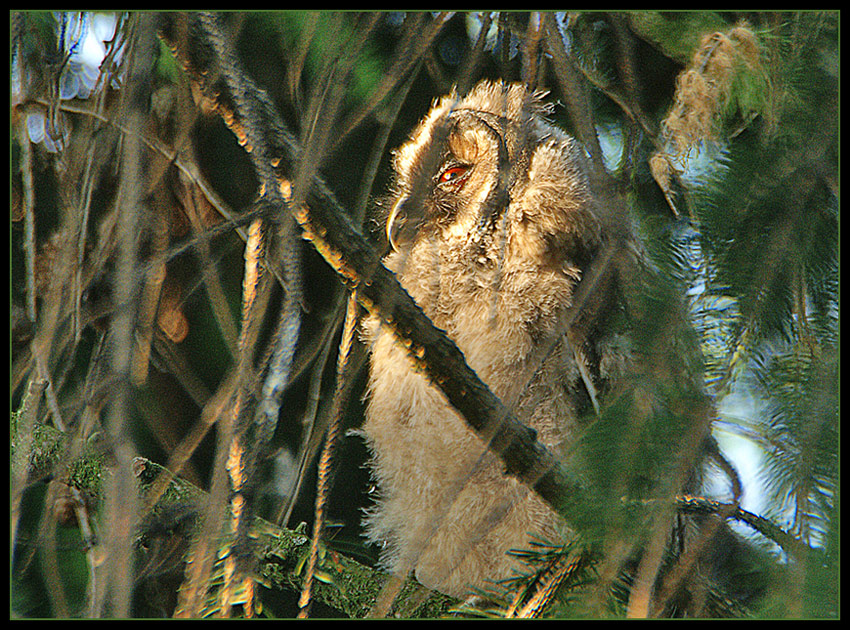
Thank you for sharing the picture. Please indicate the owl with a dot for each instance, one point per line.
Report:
(491, 223)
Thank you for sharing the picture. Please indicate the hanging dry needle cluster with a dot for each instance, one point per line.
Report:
(703, 93)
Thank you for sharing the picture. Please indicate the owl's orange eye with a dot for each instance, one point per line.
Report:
(453, 174)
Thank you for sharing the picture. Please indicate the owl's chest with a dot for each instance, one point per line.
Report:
(499, 314)
(494, 308)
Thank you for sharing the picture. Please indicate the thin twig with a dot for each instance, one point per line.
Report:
(416, 42)
(309, 425)
(115, 591)
(331, 441)
(576, 96)
(29, 219)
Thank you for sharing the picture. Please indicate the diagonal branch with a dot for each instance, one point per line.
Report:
(326, 224)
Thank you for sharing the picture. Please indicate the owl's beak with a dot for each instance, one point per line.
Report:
(395, 214)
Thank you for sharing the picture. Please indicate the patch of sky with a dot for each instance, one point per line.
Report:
(82, 37)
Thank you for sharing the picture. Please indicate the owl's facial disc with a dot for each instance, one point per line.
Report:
(450, 179)
(456, 179)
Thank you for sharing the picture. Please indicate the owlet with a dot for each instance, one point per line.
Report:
(492, 223)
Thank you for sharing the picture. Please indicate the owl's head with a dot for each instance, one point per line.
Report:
(490, 162)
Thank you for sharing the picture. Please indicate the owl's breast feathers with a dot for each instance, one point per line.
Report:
(492, 224)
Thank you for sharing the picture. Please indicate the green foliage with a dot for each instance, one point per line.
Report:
(167, 67)
(48, 579)
(676, 34)
(768, 222)
(802, 386)
(767, 225)
(330, 36)
(749, 92)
